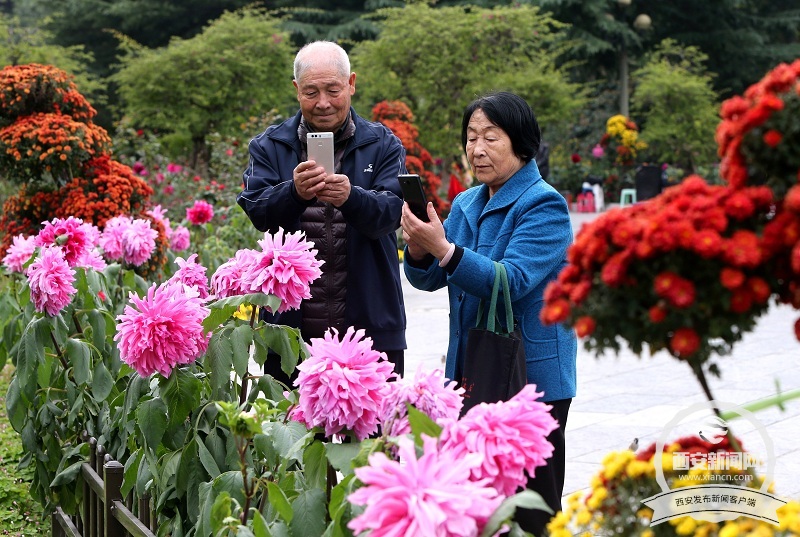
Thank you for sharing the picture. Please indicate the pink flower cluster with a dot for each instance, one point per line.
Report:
(21, 250)
(433, 496)
(511, 435)
(191, 273)
(285, 267)
(429, 392)
(131, 240)
(460, 479)
(200, 213)
(77, 239)
(50, 278)
(342, 384)
(178, 237)
(163, 330)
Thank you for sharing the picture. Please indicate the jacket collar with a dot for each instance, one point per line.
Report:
(506, 195)
(287, 132)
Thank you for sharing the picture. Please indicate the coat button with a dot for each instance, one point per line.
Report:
(461, 297)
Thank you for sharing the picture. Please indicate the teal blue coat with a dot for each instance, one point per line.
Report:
(525, 226)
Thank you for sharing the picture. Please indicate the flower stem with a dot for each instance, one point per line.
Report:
(64, 363)
(701, 377)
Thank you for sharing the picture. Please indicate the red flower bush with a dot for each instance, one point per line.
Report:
(683, 272)
(759, 135)
(398, 117)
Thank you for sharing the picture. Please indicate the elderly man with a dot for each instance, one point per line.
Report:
(351, 215)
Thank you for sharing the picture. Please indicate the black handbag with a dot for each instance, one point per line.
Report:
(494, 361)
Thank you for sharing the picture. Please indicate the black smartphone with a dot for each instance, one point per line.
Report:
(414, 195)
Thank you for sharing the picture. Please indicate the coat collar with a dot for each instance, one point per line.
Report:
(481, 204)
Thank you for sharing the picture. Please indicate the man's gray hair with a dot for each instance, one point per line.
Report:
(312, 53)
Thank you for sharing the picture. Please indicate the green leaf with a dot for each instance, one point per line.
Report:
(207, 459)
(15, 408)
(102, 383)
(218, 364)
(220, 511)
(260, 526)
(526, 499)
(278, 500)
(309, 513)
(241, 338)
(97, 321)
(289, 439)
(421, 424)
(152, 418)
(45, 371)
(67, 475)
(181, 392)
(286, 342)
(315, 465)
(130, 472)
(80, 356)
(341, 456)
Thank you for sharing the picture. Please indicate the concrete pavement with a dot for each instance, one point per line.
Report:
(625, 397)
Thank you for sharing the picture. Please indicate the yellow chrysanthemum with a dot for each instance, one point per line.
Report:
(583, 517)
(244, 312)
(731, 529)
(616, 463)
(647, 533)
(637, 468)
(789, 517)
(686, 526)
(598, 495)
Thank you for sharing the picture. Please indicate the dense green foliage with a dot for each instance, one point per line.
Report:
(19, 513)
(679, 107)
(437, 60)
(237, 68)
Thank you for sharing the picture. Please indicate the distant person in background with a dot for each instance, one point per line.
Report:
(351, 216)
(543, 160)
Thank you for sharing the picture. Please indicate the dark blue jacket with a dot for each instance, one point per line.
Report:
(373, 159)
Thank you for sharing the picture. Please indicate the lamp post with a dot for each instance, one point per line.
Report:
(642, 22)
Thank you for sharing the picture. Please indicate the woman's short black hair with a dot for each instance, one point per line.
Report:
(511, 113)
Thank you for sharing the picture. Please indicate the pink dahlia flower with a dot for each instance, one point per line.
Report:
(343, 384)
(50, 278)
(138, 242)
(227, 280)
(160, 215)
(432, 496)
(511, 436)
(285, 268)
(93, 260)
(427, 392)
(191, 273)
(598, 151)
(71, 235)
(162, 330)
(111, 238)
(179, 238)
(200, 213)
(19, 252)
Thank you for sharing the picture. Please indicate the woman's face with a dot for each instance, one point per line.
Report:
(490, 153)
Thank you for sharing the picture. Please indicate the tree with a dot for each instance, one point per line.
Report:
(238, 67)
(438, 60)
(675, 98)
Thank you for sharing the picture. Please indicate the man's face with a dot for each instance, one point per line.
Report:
(324, 96)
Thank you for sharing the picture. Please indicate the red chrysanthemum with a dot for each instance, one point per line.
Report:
(684, 342)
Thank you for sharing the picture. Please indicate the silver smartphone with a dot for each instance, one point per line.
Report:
(320, 150)
(414, 195)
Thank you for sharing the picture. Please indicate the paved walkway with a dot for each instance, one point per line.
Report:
(625, 397)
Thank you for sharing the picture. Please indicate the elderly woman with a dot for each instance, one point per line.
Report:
(516, 218)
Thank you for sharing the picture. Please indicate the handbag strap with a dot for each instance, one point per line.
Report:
(500, 279)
